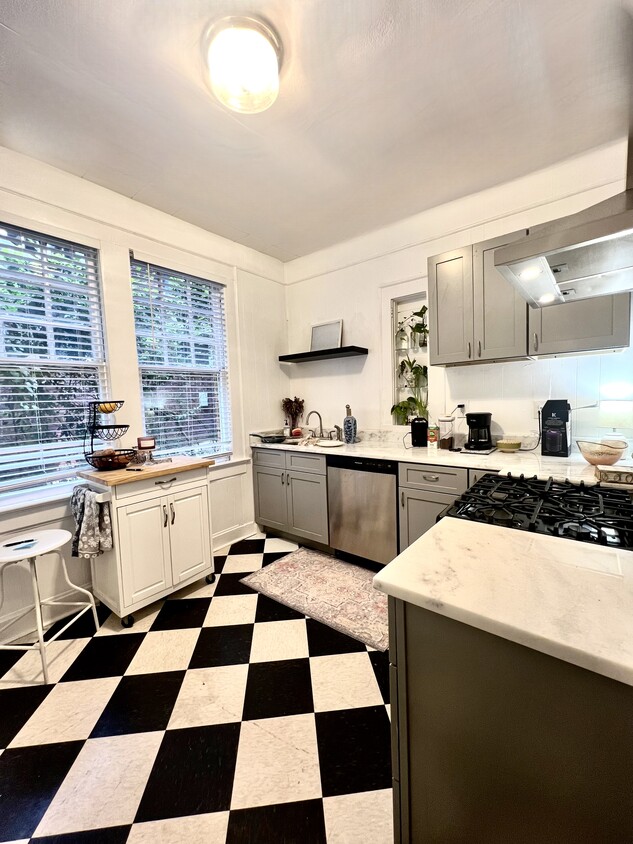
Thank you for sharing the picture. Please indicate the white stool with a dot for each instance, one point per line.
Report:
(27, 546)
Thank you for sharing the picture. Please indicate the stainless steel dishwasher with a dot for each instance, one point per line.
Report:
(363, 507)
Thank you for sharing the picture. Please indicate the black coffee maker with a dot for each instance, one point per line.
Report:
(479, 438)
(556, 428)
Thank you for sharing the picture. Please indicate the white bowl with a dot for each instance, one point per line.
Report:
(601, 453)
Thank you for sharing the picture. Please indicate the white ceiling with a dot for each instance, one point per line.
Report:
(386, 108)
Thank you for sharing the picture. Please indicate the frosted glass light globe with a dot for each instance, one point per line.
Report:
(243, 68)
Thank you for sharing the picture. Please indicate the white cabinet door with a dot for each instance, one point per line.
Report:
(144, 543)
(189, 533)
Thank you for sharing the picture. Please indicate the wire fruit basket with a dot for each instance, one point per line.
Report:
(111, 458)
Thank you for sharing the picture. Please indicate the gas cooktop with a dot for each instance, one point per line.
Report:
(557, 508)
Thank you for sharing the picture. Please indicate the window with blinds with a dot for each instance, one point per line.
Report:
(182, 353)
(52, 359)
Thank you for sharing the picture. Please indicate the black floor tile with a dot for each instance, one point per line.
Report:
(8, 660)
(324, 640)
(230, 584)
(141, 703)
(193, 773)
(283, 823)
(228, 645)
(29, 779)
(83, 628)
(218, 562)
(273, 556)
(270, 610)
(248, 546)
(275, 689)
(16, 707)
(105, 656)
(181, 612)
(108, 835)
(354, 750)
(380, 663)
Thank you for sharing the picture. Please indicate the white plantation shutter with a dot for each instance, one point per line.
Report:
(52, 358)
(182, 353)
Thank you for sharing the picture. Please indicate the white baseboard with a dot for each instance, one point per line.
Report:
(234, 534)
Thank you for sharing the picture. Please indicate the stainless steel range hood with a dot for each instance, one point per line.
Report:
(577, 257)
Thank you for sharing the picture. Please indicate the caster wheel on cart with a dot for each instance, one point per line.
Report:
(210, 578)
(128, 621)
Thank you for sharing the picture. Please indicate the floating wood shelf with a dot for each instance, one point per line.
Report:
(324, 354)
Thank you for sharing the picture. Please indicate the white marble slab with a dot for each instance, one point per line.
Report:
(574, 468)
(565, 598)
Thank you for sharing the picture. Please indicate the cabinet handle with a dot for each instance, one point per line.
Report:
(402, 498)
(535, 342)
(282, 477)
(433, 478)
(479, 348)
(165, 515)
(173, 512)
(470, 350)
(288, 478)
(160, 483)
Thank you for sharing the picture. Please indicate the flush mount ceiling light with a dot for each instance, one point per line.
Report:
(243, 59)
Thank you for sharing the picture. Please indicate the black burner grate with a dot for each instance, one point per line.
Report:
(558, 508)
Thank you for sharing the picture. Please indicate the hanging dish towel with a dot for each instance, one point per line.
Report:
(93, 526)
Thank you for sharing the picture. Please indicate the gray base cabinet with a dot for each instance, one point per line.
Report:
(291, 493)
(424, 491)
(494, 742)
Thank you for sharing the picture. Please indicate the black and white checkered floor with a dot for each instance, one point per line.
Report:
(221, 716)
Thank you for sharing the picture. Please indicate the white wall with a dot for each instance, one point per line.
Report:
(353, 281)
(41, 197)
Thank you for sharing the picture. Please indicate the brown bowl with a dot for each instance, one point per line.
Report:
(601, 453)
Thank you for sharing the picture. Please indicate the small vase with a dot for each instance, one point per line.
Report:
(402, 340)
(415, 341)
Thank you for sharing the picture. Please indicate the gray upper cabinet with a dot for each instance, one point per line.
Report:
(451, 306)
(584, 326)
(477, 316)
(500, 313)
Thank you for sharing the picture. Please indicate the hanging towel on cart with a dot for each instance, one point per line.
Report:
(93, 526)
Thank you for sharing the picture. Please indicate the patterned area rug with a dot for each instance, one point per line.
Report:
(336, 593)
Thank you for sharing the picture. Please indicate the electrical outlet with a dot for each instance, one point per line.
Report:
(538, 406)
(461, 406)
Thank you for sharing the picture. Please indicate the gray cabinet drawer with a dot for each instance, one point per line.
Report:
(475, 474)
(299, 461)
(268, 457)
(433, 478)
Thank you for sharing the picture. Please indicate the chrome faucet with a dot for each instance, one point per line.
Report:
(320, 422)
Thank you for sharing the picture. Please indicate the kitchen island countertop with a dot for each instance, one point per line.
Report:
(115, 477)
(568, 599)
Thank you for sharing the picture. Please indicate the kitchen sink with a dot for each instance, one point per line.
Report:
(328, 443)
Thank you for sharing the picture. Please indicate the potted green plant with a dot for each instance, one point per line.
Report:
(419, 328)
(293, 409)
(415, 376)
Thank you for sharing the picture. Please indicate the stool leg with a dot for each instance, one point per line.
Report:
(79, 589)
(38, 617)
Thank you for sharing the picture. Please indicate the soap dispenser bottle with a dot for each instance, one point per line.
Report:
(349, 426)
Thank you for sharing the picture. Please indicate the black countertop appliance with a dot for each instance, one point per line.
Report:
(556, 428)
(419, 432)
(479, 438)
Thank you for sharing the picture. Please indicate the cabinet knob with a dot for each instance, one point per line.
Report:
(166, 517)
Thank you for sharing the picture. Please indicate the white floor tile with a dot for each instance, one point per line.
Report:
(164, 650)
(143, 620)
(210, 696)
(366, 817)
(279, 640)
(275, 545)
(27, 671)
(343, 681)
(192, 829)
(236, 563)
(104, 786)
(68, 713)
(231, 609)
(277, 762)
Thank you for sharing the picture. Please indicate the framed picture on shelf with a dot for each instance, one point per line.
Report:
(326, 335)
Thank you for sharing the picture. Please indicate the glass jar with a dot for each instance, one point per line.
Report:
(402, 339)
(446, 431)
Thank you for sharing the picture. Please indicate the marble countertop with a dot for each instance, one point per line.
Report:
(565, 598)
(574, 468)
